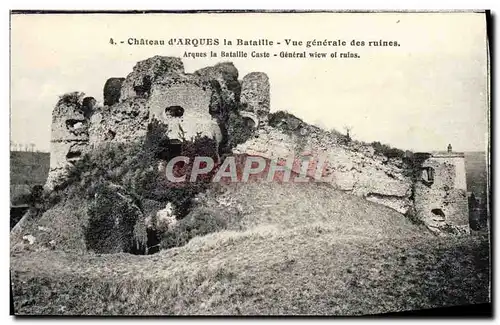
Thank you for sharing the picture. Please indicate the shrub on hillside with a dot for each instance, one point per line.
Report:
(237, 131)
(195, 224)
(113, 219)
(133, 166)
(344, 139)
(115, 178)
(285, 121)
(386, 150)
(72, 98)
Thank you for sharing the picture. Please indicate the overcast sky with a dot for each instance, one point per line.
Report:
(430, 91)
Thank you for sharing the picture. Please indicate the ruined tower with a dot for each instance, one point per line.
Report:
(70, 136)
(440, 192)
(192, 105)
(255, 97)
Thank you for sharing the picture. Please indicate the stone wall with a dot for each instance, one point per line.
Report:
(123, 122)
(148, 72)
(441, 202)
(192, 105)
(189, 108)
(354, 168)
(255, 95)
(158, 88)
(226, 75)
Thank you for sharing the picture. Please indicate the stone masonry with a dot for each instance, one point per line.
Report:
(440, 194)
(352, 169)
(69, 133)
(198, 105)
(192, 105)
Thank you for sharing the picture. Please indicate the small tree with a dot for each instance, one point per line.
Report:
(348, 130)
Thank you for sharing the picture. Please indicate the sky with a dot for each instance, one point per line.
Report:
(430, 91)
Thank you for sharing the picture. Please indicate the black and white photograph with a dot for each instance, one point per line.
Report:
(250, 163)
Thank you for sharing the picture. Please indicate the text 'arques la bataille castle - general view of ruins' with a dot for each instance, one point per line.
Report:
(185, 193)
(431, 187)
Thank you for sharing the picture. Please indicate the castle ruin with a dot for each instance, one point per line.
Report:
(199, 104)
(192, 105)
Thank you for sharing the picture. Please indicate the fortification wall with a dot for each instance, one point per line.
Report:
(192, 105)
(353, 169)
(188, 108)
(441, 202)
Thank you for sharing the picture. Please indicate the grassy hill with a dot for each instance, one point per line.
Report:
(248, 248)
(26, 170)
(29, 167)
(282, 249)
(300, 272)
(291, 205)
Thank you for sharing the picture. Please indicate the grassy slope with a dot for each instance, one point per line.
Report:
(62, 224)
(289, 205)
(29, 167)
(26, 170)
(299, 249)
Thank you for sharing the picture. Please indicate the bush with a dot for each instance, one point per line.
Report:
(388, 151)
(411, 214)
(128, 165)
(286, 122)
(115, 179)
(113, 217)
(237, 131)
(72, 98)
(196, 224)
(344, 139)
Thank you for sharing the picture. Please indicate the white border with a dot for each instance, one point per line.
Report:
(182, 5)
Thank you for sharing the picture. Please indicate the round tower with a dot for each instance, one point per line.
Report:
(69, 134)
